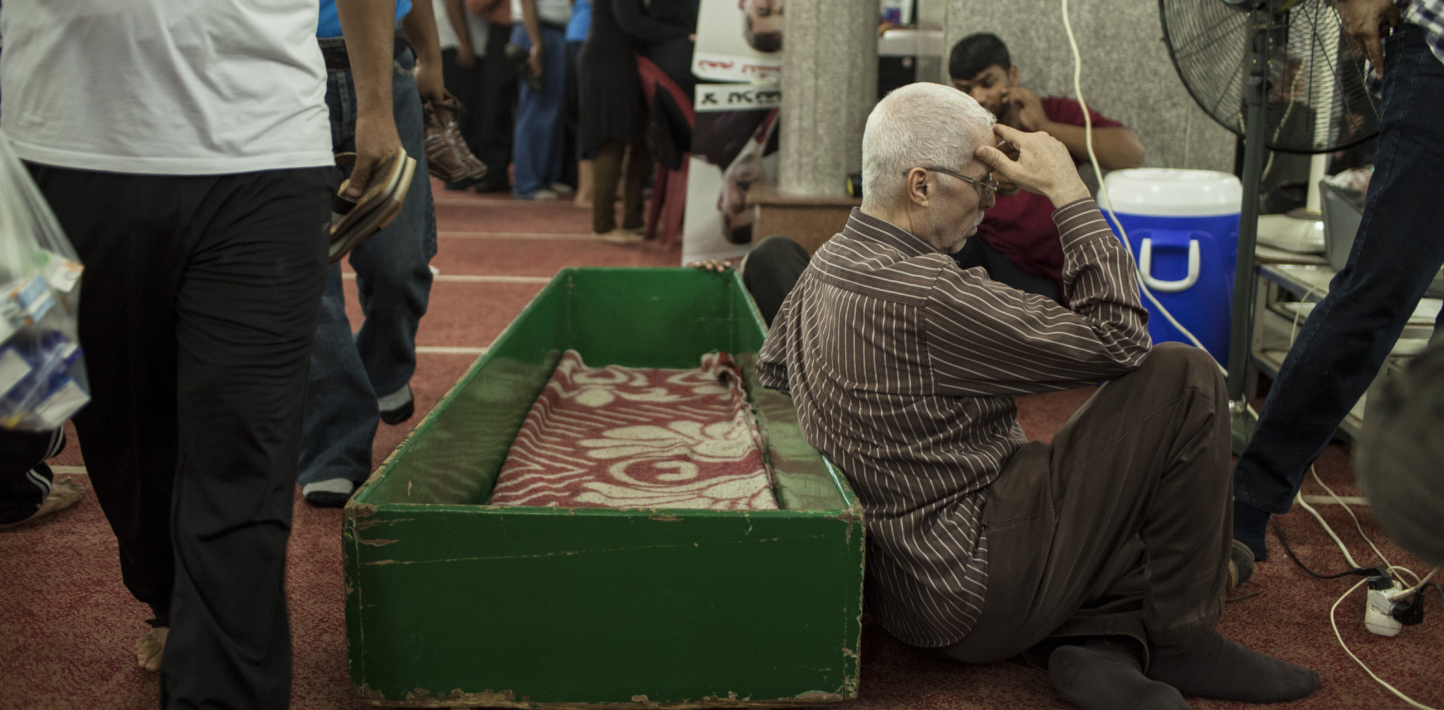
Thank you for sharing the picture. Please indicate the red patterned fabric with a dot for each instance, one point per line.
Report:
(621, 437)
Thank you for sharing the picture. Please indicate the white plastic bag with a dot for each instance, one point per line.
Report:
(42, 373)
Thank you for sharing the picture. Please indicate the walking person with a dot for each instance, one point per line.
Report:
(359, 379)
(194, 178)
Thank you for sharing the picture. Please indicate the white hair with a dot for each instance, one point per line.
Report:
(918, 125)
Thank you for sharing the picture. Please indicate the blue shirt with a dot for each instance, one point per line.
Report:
(330, 23)
(581, 21)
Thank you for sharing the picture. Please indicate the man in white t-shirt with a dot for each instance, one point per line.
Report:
(185, 149)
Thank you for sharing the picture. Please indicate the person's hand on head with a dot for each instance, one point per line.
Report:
(1027, 107)
(1363, 22)
(1043, 165)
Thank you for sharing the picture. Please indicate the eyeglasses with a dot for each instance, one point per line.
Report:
(988, 184)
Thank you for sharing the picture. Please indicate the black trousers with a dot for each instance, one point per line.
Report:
(468, 85)
(498, 108)
(24, 478)
(198, 307)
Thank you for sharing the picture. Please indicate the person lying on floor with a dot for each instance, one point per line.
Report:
(1017, 238)
(1107, 549)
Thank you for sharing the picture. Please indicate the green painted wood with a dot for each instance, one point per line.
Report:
(454, 602)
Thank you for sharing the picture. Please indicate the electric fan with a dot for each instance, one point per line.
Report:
(1280, 74)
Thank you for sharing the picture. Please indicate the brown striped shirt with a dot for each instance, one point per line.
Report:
(903, 367)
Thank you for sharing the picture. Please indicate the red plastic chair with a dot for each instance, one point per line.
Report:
(669, 187)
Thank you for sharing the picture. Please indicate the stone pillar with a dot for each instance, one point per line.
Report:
(829, 85)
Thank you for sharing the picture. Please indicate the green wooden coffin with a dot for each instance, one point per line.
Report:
(454, 602)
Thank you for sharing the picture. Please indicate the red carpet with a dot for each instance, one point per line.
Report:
(623, 437)
(67, 625)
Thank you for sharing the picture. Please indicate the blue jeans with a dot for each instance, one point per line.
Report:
(1398, 250)
(541, 116)
(349, 372)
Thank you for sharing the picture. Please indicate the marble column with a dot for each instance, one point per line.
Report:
(829, 85)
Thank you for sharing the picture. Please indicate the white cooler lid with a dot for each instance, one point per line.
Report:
(1167, 192)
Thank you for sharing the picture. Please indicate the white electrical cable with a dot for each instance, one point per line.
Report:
(1103, 189)
(1108, 205)
(1334, 623)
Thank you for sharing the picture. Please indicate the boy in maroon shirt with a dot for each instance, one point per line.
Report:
(1020, 226)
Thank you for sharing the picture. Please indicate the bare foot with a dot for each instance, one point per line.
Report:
(63, 494)
(620, 236)
(150, 647)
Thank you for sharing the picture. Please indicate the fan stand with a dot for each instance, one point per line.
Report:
(1242, 418)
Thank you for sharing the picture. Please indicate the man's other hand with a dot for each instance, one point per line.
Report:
(1363, 22)
(430, 84)
(376, 138)
(1027, 107)
(1043, 165)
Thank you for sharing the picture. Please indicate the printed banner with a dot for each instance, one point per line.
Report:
(738, 40)
(733, 147)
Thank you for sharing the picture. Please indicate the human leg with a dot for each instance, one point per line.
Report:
(341, 412)
(771, 270)
(539, 117)
(606, 173)
(393, 273)
(124, 229)
(28, 488)
(1126, 534)
(639, 167)
(1068, 524)
(353, 377)
(498, 105)
(1339, 349)
(246, 315)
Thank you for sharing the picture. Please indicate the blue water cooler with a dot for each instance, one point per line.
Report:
(1183, 227)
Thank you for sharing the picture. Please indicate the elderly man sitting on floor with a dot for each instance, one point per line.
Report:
(1107, 549)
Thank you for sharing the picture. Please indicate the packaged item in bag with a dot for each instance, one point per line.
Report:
(42, 372)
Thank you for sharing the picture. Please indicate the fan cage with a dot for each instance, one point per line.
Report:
(1318, 100)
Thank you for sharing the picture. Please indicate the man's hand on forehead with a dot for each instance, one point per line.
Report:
(1043, 165)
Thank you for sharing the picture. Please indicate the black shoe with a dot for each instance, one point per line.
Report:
(486, 186)
(401, 406)
(332, 493)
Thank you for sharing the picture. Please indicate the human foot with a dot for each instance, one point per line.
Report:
(150, 647)
(1240, 565)
(1102, 675)
(1212, 667)
(330, 493)
(63, 494)
(620, 236)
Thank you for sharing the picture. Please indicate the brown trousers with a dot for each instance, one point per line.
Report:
(1122, 525)
(606, 173)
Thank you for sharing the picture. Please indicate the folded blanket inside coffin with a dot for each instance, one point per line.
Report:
(621, 437)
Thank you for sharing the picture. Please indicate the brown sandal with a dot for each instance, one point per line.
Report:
(352, 221)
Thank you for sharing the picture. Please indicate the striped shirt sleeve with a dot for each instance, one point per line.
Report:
(984, 338)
